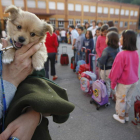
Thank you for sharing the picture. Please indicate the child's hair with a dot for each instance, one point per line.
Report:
(99, 29)
(72, 26)
(104, 27)
(110, 23)
(94, 22)
(81, 28)
(100, 23)
(113, 29)
(90, 34)
(113, 39)
(129, 40)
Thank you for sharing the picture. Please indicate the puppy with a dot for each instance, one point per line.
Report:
(23, 28)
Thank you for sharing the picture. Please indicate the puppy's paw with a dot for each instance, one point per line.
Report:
(8, 56)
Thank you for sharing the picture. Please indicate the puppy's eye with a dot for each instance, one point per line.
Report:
(19, 27)
(32, 34)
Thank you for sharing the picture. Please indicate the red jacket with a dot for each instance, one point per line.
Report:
(51, 43)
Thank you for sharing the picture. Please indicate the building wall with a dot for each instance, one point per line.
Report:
(61, 13)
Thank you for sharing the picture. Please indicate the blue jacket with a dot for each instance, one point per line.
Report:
(89, 44)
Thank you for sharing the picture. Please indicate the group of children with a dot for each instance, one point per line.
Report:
(118, 61)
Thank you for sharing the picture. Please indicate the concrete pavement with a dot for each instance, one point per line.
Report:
(85, 122)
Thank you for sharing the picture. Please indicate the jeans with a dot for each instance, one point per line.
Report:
(51, 58)
(78, 56)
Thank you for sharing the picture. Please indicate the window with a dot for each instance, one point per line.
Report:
(130, 23)
(121, 24)
(122, 12)
(71, 7)
(116, 22)
(98, 21)
(60, 6)
(42, 4)
(70, 21)
(52, 5)
(116, 11)
(105, 22)
(134, 23)
(60, 23)
(105, 10)
(131, 13)
(136, 13)
(92, 9)
(85, 21)
(111, 10)
(86, 8)
(31, 4)
(99, 9)
(78, 21)
(77, 7)
(52, 21)
(6, 2)
(19, 3)
(125, 24)
(127, 12)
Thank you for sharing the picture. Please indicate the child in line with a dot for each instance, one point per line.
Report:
(124, 75)
(107, 58)
(79, 44)
(98, 33)
(88, 42)
(101, 41)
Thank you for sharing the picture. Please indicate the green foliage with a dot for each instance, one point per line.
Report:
(137, 2)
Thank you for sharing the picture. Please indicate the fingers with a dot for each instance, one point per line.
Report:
(7, 133)
(32, 50)
(4, 42)
(25, 48)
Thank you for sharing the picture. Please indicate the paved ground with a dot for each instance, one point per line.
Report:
(85, 122)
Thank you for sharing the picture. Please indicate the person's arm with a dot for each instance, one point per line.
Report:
(116, 71)
(91, 44)
(97, 47)
(102, 60)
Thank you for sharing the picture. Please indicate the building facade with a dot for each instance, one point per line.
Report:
(61, 13)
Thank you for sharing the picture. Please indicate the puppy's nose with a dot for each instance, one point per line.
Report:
(21, 39)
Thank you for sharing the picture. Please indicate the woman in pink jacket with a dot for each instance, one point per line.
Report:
(124, 75)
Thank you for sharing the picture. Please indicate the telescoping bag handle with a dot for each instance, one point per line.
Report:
(63, 49)
(94, 66)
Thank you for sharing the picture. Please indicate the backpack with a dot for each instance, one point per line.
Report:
(87, 78)
(137, 110)
(80, 62)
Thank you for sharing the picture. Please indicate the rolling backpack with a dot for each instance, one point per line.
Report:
(99, 93)
(79, 63)
(64, 59)
(137, 111)
(87, 78)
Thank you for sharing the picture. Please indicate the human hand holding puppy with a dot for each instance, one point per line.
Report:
(21, 67)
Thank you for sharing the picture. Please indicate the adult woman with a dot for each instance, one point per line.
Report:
(51, 45)
(23, 115)
(86, 27)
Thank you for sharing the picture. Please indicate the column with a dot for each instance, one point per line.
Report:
(66, 13)
(25, 5)
(47, 6)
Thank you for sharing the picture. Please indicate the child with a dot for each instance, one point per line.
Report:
(98, 33)
(101, 41)
(107, 58)
(79, 44)
(124, 74)
(88, 42)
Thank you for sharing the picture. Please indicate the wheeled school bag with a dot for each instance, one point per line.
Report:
(137, 111)
(72, 62)
(87, 78)
(64, 59)
(79, 63)
(99, 93)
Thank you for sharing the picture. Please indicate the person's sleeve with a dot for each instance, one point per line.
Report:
(97, 47)
(9, 90)
(116, 70)
(55, 41)
(91, 45)
(74, 35)
(102, 60)
(76, 44)
(81, 43)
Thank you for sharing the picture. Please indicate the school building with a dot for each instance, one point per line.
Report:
(61, 13)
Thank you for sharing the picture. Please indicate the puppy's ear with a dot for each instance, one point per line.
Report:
(47, 28)
(13, 10)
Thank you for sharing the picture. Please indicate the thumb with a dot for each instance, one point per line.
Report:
(7, 133)
(4, 42)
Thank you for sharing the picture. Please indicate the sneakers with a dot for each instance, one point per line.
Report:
(116, 117)
(127, 119)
